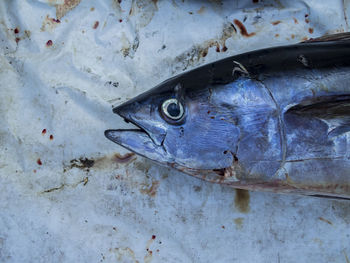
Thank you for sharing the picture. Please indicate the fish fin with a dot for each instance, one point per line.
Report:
(329, 196)
(328, 38)
(334, 110)
(339, 131)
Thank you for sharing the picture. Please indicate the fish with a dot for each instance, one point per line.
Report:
(275, 119)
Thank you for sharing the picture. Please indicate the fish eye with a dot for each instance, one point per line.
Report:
(173, 109)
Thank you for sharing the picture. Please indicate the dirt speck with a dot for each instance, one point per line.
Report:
(275, 23)
(82, 163)
(295, 20)
(150, 190)
(197, 188)
(17, 39)
(239, 222)
(311, 30)
(63, 9)
(242, 199)
(346, 257)
(49, 43)
(325, 220)
(255, 1)
(51, 137)
(201, 10)
(39, 162)
(92, 9)
(153, 237)
(125, 254)
(49, 24)
(242, 29)
(96, 25)
(192, 56)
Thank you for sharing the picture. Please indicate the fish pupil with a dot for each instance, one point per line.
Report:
(173, 110)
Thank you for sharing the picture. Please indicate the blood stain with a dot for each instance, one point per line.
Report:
(39, 161)
(16, 30)
(43, 132)
(224, 49)
(242, 28)
(51, 137)
(49, 43)
(295, 20)
(276, 22)
(96, 25)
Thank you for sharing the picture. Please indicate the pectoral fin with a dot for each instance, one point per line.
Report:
(328, 38)
(334, 110)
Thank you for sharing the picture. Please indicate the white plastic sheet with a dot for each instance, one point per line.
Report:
(67, 194)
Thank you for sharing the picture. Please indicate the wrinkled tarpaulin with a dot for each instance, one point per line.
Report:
(67, 194)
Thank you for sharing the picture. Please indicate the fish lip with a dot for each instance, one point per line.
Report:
(129, 119)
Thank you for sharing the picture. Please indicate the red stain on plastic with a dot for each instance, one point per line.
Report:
(51, 137)
(96, 25)
(49, 43)
(120, 20)
(275, 22)
(16, 30)
(242, 28)
(295, 20)
(153, 237)
(43, 132)
(39, 162)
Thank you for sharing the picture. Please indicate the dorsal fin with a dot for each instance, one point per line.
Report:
(328, 38)
(334, 110)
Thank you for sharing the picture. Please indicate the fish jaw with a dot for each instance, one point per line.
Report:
(140, 142)
(146, 141)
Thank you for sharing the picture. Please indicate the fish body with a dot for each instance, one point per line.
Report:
(276, 119)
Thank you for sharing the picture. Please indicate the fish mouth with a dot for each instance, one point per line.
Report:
(139, 140)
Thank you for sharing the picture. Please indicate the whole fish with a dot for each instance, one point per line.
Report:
(275, 119)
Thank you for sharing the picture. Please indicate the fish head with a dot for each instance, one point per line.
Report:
(179, 126)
